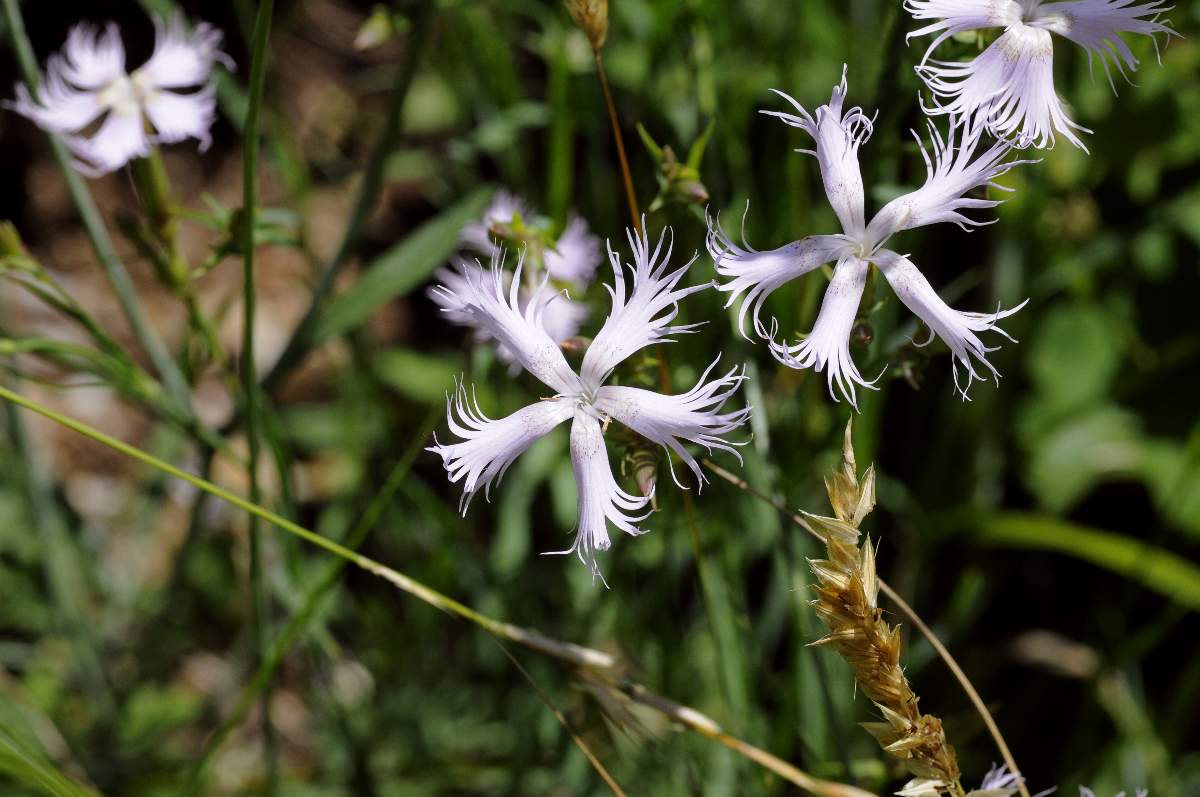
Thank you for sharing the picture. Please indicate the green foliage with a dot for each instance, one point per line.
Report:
(1062, 504)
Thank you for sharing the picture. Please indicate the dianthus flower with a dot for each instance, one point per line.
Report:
(87, 84)
(1009, 87)
(640, 317)
(954, 169)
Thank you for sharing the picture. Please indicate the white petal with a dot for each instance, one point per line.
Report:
(180, 116)
(694, 416)
(489, 446)
(515, 324)
(998, 782)
(1097, 25)
(504, 208)
(120, 139)
(838, 134)
(1009, 87)
(60, 108)
(827, 347)
(449, 293)
(575, 255)
(956, 329)
(757, 274)
(90, 60)
(180, 58)
(562, 318)
(601, 500)
(955, 169)
(642, 318)
(959, 16)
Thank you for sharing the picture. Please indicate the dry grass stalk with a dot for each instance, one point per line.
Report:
(847, 592)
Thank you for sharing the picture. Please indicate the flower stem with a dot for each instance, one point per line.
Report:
(626, 176)
(260, 600)
(97, 233)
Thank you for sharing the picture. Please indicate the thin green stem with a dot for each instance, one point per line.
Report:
(368, 195)
(310, 607)
(258, 588)
(97, 233)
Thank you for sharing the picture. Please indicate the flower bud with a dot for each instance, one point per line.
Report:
(592, 17)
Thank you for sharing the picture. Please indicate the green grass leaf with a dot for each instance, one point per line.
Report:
(22, 760)
(1154, 568)
(401, 268)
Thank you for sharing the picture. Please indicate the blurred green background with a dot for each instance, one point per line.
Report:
(1048, 530)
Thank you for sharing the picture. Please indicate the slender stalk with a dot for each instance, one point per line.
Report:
(626, 176)
(310, 605)
(97, 233)
(907, 611)
(575, 655)
(260, 600)
(368, 195)
(604, 774)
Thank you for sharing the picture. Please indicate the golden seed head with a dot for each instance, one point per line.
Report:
(847, 602)
(592, 17)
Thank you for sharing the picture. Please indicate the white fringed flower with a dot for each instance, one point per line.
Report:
(1009, 87)
(998, 782)
(954, 167)
(642, 315)
(86, 86)
(571, 263)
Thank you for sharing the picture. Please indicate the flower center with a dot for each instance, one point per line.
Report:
(128, 94)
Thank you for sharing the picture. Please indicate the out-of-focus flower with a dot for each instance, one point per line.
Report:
(86, 86)
(1084, 791)
(570, 260)
(955, 167)
(640, 317)
(1009, 87)
(998, 782)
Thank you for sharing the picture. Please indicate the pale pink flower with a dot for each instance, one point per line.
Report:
(956, 166)
(1009, 87)
(168, 99)
(642, 315)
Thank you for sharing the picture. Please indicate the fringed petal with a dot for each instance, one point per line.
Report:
(838, 134)
(181, 59)
(1009, 88)
(493, 303)
(955, 169)
(1097, 25)
(601, 500)
(694, 416)
(575, 255)
(176, 117)
(827, 347)
(90, 59)
(120, 139)
(489, 446)
(755, 274)
(951, 17)
(643, 316)
(958, 330)
(60, 108)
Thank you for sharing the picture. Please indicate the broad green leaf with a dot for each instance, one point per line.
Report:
(401, 268)
(417, 375)
(1156, 569)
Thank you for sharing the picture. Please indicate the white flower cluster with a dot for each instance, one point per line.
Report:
(101, 111)
(1001, 101)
